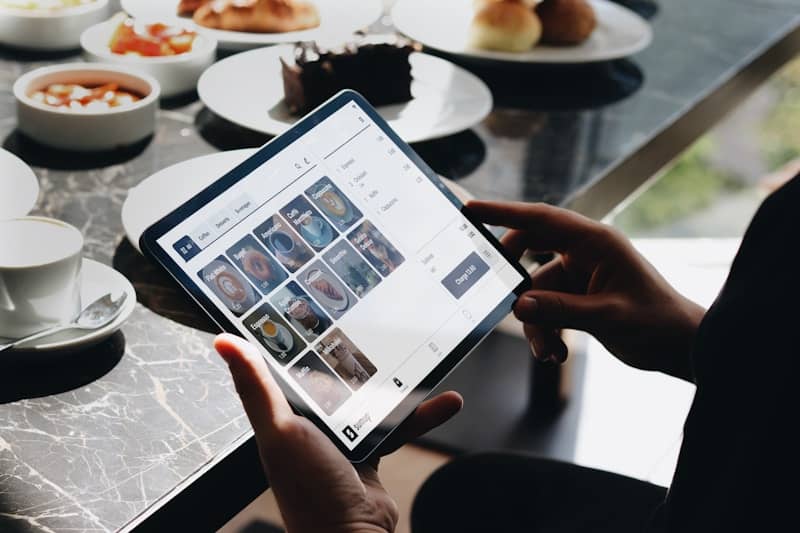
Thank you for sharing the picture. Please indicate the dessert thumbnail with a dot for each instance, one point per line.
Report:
(375, 248)
(257, 264)
(346, 359)
(274, 334)
(319, 382)
(301, 311)
(378, 69)
(326, 289)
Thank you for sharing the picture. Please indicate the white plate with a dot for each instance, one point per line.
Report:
(247, 89)
(159, 194)
(620, 32)
(18, 184)
(338, 19)
(97, 279)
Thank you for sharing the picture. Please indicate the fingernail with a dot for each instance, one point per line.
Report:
(533, 350)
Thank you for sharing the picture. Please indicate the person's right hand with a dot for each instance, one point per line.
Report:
(597, 283)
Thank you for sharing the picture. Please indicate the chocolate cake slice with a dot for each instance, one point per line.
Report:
(380, 71)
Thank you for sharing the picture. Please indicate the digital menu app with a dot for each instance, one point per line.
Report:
(343, 261)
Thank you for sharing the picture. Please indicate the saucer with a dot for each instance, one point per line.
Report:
(97, 279)
(19, 185)
(159, 194)
(286, 335)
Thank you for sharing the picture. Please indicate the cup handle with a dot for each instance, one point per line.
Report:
(5, 299)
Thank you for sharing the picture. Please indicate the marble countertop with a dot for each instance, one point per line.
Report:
(90, 441)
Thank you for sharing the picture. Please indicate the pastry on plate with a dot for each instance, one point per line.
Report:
(186, 8)
(566, 22)
(257, 16)
(506, 26)
(377, 68)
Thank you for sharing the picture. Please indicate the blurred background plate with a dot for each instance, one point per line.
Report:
(444, 25)
(19, 187)
(168, 188)
(247, 89)
(338, 19)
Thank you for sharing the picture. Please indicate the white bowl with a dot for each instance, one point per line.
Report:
(177, 74)
(86, 130)
(58, 29)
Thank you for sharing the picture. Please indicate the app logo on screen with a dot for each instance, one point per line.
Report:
(272, 331)
(284, 243)
(333, 203)
(229, 285)
(325, 288)
(257, 264)
(346, 359)
(351, 268)
(301, 311)
(308, 222)
(319, 382)
(376, 248)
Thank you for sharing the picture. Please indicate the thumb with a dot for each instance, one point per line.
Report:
(562, 309)
(262, 398)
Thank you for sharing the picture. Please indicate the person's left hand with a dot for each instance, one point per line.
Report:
(316, 487)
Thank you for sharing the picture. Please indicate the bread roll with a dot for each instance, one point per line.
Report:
(505, 25)
(257, 16)
(566, 22)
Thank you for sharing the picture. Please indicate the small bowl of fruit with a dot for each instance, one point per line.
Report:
(86, 107)
(48, 24)
(170, 51)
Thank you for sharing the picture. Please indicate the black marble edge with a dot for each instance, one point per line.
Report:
(204, 501)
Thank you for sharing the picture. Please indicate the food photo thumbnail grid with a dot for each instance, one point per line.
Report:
(295, 275)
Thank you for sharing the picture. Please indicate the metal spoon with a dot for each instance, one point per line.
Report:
(96, 315)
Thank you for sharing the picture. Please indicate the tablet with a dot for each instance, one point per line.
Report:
(340, 254)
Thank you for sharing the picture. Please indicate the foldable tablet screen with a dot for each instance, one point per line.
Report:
(341, 255)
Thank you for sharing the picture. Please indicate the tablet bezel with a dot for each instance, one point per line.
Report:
(149, 246)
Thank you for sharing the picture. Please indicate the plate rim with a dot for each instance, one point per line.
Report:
(90, 338)
(482, 112)
(525, 58)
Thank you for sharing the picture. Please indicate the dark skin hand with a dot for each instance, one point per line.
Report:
(597, 283)
(316, 487)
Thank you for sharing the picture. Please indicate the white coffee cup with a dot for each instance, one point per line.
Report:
(40, 265)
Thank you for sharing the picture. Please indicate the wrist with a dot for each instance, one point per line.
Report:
(681, 362)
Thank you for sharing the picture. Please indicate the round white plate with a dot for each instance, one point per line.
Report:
(337, 305)
(619, 33)
(18, 184)
(97, 280)
(159, 194)
(247, 89)
(338, 20)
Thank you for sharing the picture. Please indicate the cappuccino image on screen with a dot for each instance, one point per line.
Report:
(257, 264)
(319, 382)
(301, 311)
(307, 221)
(351, 268)
(346, 359)
(272, 332)
(333, 203)
(376, 248)
(323, 285)
(229, 285)
(284, 243)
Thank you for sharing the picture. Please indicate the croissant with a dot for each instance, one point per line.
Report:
(257, 16)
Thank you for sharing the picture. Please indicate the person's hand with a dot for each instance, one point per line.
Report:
(597, 283)
(316, 487)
